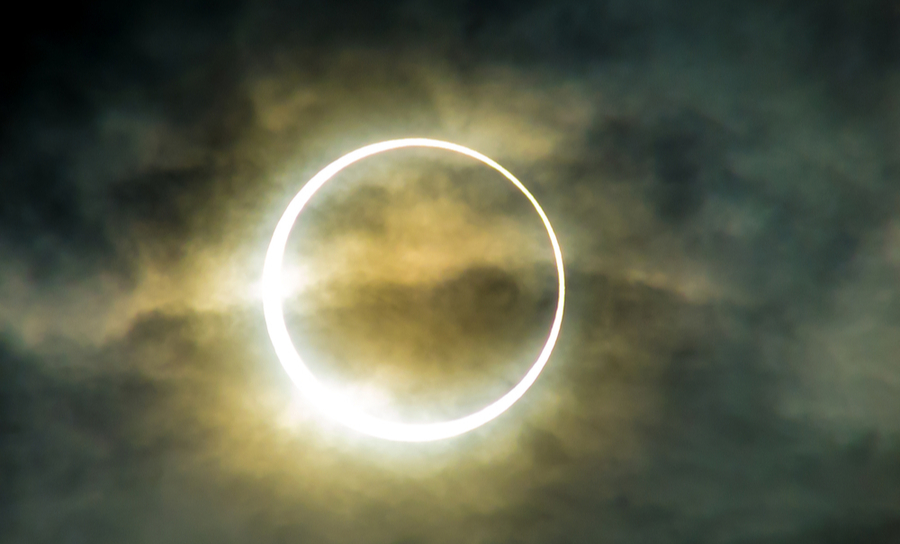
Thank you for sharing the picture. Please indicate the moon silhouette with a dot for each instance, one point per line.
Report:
(336, 406)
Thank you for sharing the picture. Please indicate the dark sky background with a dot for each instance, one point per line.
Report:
(724, 178)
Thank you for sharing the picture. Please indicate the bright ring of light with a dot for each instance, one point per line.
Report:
(334, 405)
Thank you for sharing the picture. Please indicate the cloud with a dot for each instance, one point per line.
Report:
(725, 200)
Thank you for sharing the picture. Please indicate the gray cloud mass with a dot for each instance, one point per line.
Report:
(724, 182)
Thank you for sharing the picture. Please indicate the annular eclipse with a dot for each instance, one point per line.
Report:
(333, 404)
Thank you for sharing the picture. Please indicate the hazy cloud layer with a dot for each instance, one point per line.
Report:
(724, 182)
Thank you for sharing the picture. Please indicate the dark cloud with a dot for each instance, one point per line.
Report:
(723, 180)
(459, 343)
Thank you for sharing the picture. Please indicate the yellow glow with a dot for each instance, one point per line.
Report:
(340, 408)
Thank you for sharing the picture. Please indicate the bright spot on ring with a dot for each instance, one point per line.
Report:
(342, 409)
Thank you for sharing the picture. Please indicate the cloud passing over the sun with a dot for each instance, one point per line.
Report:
(724, 181)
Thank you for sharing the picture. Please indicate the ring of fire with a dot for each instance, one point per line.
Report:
(334, 405)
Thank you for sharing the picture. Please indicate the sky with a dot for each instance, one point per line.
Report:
(724, 181)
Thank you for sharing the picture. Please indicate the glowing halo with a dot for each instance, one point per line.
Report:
(335, 406)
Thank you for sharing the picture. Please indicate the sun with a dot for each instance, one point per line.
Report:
(340, 408)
